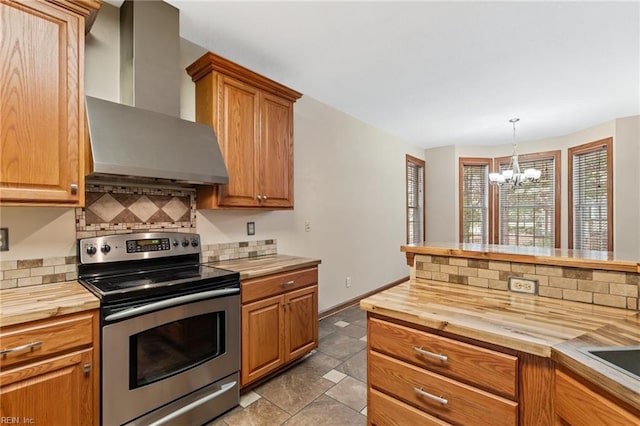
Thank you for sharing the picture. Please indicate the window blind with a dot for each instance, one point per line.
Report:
(527, 213)
(475, 203)
(415, 202)
(590, 193)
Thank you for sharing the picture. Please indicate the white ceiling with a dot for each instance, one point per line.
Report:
(439, 73)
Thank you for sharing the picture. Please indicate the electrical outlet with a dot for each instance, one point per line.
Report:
(523, 285)
(307, 226)
(4, 239)
(251, 228)
(347, 282)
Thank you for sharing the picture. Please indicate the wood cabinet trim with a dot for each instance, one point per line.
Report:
(211, 62)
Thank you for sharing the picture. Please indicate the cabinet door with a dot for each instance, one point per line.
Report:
(238, 138)
(41, 104)
(52, 392)
(301, 321)
(276, 152)
(262, 337)
(577, 404)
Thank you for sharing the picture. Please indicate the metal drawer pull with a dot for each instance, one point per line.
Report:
(288, 283)
(439, 399)
(431, 354)
(31, 346)
(176, 414)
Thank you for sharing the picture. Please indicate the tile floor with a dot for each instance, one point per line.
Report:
(327, 388)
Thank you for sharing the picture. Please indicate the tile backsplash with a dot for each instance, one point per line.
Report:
(29, 272)
(607, 288)
(113, 209)
(123, 209)
(240, 250)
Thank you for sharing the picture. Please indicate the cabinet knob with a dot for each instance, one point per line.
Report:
(74, 188)
(86, 368)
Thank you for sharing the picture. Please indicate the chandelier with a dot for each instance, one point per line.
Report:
(513, 175)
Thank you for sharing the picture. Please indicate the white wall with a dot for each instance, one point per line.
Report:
(626, 180)
(441, 194)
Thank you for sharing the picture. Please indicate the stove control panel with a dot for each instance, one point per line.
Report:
(119, 247)
(150, 244)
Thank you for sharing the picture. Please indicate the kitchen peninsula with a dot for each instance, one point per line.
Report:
(453, 345)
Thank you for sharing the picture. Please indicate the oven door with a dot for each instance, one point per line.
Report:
(162, 351)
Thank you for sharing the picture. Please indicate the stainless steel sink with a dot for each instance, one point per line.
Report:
(625, 359)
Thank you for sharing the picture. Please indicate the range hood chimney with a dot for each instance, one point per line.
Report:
(143, 138)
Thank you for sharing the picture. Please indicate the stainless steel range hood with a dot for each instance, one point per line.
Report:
(147, 141)
(129, 142)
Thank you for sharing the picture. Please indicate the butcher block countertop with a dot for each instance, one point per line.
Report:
(254, 267)
(536, 325)
(607, 261)
(19, 305)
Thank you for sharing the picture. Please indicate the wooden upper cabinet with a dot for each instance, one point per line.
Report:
(42, 101)
(253, 120)
(276, 152)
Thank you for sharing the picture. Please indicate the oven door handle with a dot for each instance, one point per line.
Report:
(224, 388)
(127, 313)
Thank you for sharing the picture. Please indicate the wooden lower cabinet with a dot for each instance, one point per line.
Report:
(279, 321)
(418, 377)
(577, 404)
(55, 379)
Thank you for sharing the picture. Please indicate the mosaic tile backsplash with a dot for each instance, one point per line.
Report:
(123, 209)
(606, 288)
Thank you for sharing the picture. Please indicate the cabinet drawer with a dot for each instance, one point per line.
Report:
(579, 405)
(464, 404)
(487, 369)
(55, 335)
(384, 410)
(271, 285)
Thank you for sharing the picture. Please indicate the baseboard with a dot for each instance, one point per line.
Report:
(349, 303)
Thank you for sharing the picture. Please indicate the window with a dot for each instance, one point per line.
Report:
(474, 196)
(591, 196)
(415, 200)
(529, 215)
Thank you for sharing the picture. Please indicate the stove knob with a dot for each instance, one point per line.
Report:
(194, 242)
(91, 250)
(185, 243)
(105, 248)
(176, 243)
